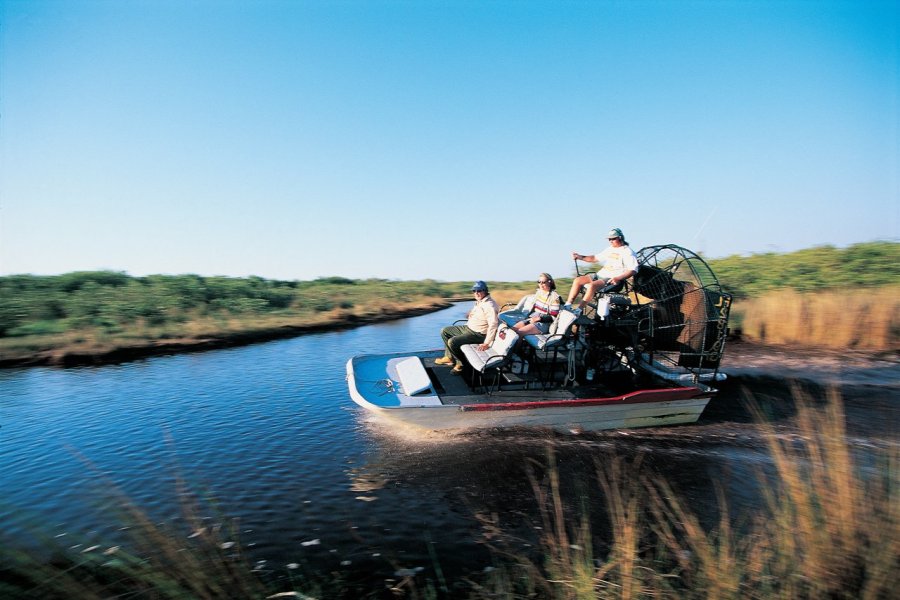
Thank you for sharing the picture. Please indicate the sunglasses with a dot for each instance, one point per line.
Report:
(544, 281)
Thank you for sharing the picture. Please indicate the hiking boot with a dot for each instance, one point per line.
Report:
(457, 369)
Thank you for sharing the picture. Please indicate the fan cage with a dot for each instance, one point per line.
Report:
(684, 310)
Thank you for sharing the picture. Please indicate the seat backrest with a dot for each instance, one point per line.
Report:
(511, 316)
(505, 340)
(559, 331)
(561, 327)
(526, 304)
(497, 355)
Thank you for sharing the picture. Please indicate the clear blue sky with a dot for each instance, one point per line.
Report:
(455, 140)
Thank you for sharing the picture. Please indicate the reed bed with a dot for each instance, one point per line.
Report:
(866, 319)
(829, 528)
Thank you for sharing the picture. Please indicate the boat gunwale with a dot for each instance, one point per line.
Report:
(636, 397)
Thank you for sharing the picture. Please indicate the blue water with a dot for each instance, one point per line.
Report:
(268, 434)
(269, 430)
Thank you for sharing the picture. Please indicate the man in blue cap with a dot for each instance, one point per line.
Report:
(619, 262)
(480, 328)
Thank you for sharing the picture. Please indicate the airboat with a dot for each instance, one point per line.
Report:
(645, 355)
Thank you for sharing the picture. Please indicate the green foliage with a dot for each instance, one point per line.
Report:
(39, 328)
(110, 301)
(70, 282)
(41, 305)
(335, 280)
(870, 264)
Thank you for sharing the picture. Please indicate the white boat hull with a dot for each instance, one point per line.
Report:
(374, 384)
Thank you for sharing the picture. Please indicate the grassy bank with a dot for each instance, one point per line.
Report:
(84, 316)
(58, 323)
(829, 527)
(197, 331)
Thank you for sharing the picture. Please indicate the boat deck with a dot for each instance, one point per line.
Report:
(456, 390)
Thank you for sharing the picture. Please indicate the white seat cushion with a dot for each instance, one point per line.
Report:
(479, 359)
(495, 354)
(412, 375)
(558, 332)
(537, 340)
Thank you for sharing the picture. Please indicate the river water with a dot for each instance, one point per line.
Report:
(269, 435)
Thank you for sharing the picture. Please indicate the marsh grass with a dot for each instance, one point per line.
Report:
(865, 319)
(829, 528)
(197, 326)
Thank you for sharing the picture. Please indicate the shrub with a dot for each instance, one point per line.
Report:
(39, 328)
(335, 280)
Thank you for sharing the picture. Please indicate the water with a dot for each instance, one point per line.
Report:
(270, 433)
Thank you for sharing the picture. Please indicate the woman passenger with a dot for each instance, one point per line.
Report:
(546, 306)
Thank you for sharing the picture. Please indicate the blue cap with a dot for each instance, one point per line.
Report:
(479, 286)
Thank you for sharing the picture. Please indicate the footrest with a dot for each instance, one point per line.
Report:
(525, 378)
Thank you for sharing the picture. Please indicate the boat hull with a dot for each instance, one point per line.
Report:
(374, 384)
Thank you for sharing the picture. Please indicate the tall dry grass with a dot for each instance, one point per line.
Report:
(834, 528)
(865, 319)
(829, 528)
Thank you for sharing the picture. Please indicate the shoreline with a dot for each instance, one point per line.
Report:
(66, 357)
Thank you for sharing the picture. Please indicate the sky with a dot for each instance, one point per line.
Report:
(451, 140)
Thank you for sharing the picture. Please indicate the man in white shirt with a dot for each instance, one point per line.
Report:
(619, 262)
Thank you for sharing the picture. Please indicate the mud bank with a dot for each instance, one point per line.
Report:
(744, 360)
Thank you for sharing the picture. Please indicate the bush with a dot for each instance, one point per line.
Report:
(335, 280)
(870, 264)
(39, 328)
